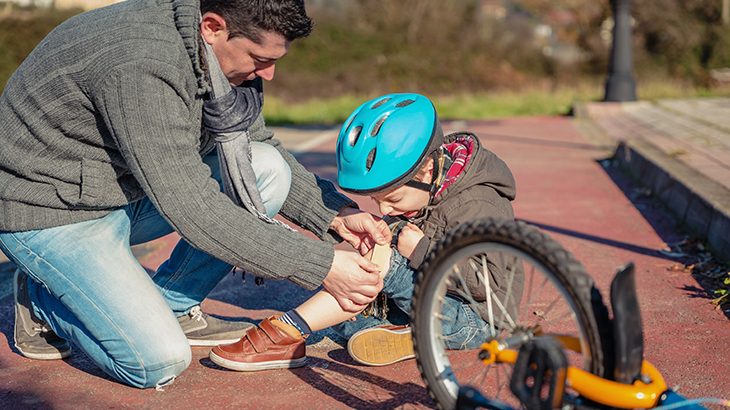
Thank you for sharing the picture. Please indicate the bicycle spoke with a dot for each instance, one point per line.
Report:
(501, 376)
(491, 295)
(509, 288)
(513, 304)
(559, 318)
(476, 306)
(479, 309)
(487, 371)
(480, 375)
(447, 319)
(537, 292)
(528, 291)
(488, 292)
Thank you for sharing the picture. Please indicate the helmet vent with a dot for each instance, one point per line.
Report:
(376, 127)
(349, 122)
(370, 159)
(404, 103)
(379, 103)
(354, 135)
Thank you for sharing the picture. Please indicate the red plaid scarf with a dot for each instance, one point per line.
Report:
(460, 151)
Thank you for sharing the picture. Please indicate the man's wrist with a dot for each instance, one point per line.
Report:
(346, 211)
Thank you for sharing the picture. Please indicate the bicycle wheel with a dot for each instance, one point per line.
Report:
(558, 296)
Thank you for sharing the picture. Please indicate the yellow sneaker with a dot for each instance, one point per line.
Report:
(381, 346)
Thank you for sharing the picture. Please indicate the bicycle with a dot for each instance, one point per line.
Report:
(560, 350)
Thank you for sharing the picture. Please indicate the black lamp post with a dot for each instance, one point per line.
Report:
(621, 85)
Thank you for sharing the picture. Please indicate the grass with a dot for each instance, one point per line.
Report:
(458, 106)
(508, 104)
(315, 111)
(22, 28)
(539, 100)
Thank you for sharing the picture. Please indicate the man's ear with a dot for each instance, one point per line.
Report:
(213, 27)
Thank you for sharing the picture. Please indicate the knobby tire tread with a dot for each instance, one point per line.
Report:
(544, 249)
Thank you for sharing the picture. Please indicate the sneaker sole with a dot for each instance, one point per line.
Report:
(253, 367)
(61, 354)
(52, 354)
(381, 347)
(205, 342)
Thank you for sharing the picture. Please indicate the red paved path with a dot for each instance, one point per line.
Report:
(562, 187)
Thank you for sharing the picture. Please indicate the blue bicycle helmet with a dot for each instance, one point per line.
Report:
(385, 142)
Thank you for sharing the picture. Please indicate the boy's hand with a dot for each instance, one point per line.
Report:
(361, 229)
(353, 280)
(408, 239)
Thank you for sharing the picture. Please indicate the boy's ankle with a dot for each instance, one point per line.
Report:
(289, 329)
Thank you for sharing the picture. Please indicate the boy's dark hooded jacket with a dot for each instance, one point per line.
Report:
(484, 189)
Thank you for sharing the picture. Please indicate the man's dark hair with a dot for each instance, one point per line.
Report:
(249, 18)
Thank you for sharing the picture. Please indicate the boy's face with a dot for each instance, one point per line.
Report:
(404, 200)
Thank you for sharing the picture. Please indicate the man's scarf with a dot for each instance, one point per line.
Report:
(227, 115)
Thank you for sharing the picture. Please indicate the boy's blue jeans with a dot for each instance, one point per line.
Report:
(464, 330)
(91, 290)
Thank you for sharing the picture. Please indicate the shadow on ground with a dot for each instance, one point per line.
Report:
(359, 389)
(666, 227)
(324, 162)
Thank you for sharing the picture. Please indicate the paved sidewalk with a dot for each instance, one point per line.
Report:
(678, 148)
(566, 186)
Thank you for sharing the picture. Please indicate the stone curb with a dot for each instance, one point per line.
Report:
(699, 203)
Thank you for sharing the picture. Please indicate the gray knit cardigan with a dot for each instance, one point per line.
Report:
(107, 109)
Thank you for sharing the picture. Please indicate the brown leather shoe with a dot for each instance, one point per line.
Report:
(264, 347)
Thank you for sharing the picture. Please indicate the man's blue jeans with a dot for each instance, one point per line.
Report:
(463, 329)
(88, 286)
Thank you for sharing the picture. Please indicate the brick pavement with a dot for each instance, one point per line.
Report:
(566, 186)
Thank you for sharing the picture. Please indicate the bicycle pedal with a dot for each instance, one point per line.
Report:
(538, 380)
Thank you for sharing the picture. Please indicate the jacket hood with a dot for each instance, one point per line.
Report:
(483, 168)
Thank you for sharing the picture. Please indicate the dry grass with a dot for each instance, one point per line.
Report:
(535, 100)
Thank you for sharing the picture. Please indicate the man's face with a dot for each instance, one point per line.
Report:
(240, 58)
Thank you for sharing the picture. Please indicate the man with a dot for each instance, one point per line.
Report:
(101, 148)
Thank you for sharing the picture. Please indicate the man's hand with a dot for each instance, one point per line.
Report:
(408, 239)
(353, 280)
(361, 229)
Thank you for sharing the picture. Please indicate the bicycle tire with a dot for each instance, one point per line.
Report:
(548, 261)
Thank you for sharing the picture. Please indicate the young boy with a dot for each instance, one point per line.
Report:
(392, 148)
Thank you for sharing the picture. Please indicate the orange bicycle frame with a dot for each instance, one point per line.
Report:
(626, 396)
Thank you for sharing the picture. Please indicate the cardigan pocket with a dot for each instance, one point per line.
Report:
(84, 192)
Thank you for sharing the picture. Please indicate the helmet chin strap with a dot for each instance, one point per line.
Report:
(436, 174)
(419, 185)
